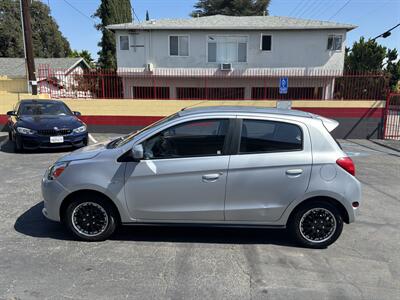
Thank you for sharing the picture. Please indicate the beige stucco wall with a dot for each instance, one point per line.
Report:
(110, 107)
(13, 85)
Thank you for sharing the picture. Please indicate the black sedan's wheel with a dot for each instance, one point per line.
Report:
(91, 219)
(316, 225)
(18, 146)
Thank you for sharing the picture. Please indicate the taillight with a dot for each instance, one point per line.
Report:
(347, 164)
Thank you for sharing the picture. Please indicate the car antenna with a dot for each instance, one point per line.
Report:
(187, 107)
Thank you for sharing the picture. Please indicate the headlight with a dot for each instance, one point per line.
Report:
(80, 129)
(24, 130)
(56, 170)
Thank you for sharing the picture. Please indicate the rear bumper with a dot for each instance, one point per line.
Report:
(37, 141)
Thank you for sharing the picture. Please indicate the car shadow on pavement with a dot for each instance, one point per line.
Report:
(34, 224)
(8, 147)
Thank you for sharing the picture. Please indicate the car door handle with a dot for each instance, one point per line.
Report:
(294, 172)
(211, 177)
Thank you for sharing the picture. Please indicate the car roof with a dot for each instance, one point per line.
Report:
(245, 110)
(40, 101)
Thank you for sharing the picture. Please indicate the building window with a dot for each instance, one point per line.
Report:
(149, 92)
(124, 42)
(266, 42)
(227, 49)
(335, 42)
(216, 93)
(179, 45)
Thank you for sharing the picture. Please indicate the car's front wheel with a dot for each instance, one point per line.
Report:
(91, 219)
(316, 224)
(18, 146)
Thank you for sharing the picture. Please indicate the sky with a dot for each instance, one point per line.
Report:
(372, 17)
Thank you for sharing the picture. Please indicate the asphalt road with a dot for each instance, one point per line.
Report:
(40, 260)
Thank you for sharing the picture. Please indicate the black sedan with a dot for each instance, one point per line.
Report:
(45, 124)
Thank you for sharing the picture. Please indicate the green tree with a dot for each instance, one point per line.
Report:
(84, 54)
(48, 41)
(393, 68)
(111, 12)
(231, 7)
(365, 56)
(369, 56)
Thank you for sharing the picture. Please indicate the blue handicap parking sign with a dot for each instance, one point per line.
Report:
(283, 85)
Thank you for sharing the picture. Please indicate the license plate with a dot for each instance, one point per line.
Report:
(56, 139)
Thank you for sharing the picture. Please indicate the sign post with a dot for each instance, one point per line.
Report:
(283, 89)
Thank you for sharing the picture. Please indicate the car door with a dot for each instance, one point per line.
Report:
(270, 170)
(183, 175)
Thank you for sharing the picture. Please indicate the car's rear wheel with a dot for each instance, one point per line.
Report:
(316, 224)
(91, 219)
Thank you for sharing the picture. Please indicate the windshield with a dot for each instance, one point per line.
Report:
(126, 139)
(50, 108)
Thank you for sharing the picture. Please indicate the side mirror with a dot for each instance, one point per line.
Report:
(138, 152)
(77, 113)
(11, 113)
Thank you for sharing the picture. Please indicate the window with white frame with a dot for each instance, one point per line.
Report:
(179, 45)
(266, 42)
(227, 49)
(124, 42)
(335, 42)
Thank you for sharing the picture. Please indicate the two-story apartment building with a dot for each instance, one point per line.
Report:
(229, 57)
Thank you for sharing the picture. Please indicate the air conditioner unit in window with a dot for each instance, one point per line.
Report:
(226, 67)
(149, 67)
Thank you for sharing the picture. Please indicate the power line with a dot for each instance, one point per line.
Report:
(302, 9)
(312, 3)
(323, 9)
(295, 9)
(133, 10)
(316, 8)
(79, 11)
(339, 10)
(387, 32)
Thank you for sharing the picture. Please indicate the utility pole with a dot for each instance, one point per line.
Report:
(27, 33)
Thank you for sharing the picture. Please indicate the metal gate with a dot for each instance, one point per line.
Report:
(391, 128)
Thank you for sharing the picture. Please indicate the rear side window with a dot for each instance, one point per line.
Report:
(260, 136)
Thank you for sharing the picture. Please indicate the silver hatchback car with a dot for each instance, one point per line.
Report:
(233, 166)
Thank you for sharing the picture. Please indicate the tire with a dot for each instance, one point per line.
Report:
(99, 211)
(18, 147)
(316, 224)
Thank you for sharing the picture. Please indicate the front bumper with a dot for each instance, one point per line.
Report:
(40, 141)
(53, 194)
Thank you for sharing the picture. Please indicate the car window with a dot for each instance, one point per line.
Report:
(50, 108)
(260, 136)
(190, 139)
(126, 139)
